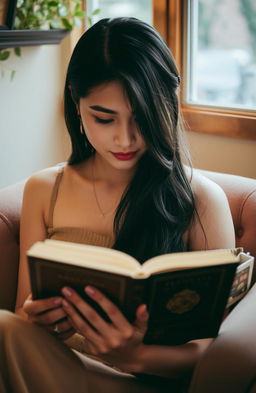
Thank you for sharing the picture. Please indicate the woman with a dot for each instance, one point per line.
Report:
(125, 186)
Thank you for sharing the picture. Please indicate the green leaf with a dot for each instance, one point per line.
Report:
(52, 3)
(80, 14)
(89, 20)
(66, 24)
(4, 55)
(77, 7)
(96, 12)
(13, 72)
(17, 52)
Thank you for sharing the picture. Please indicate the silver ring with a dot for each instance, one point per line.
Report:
(56, 329)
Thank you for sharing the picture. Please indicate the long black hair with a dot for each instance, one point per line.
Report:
(158, 205)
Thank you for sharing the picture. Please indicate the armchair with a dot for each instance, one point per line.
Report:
(229, 364)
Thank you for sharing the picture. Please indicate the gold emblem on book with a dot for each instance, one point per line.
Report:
(183, 301)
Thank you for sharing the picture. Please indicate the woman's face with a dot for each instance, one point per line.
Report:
(110, 126)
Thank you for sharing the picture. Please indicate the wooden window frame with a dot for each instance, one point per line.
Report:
(169, 17)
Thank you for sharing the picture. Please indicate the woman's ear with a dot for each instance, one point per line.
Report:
(76, 104)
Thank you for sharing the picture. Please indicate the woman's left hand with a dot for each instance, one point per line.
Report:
(118, 341)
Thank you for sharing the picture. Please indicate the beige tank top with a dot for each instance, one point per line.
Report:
(73, 234)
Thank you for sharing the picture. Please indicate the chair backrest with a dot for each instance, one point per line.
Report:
(241, 193)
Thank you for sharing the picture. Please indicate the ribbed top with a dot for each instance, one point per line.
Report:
(80, 235)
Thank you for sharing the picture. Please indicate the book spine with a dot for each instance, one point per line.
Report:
(34, 281)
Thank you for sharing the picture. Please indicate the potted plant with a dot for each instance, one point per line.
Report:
(39, 22)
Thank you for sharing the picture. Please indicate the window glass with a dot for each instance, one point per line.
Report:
(221, 62)
(141, 9)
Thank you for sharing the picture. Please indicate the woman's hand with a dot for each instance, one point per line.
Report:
(49, 314)
(117, 341)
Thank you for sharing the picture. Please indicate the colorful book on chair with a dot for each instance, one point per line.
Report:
(186, 293)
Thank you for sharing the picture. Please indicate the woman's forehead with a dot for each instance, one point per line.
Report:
(111, 95)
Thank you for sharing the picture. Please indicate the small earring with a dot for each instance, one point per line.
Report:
(81, 127)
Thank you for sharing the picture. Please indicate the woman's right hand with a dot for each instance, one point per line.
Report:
(49, 314)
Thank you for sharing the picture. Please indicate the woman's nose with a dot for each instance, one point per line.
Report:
(125, 135)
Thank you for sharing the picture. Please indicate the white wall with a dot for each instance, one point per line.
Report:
(223, 154)
(32, 130)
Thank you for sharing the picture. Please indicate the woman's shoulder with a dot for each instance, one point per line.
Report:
(44, 179)
(203, 188)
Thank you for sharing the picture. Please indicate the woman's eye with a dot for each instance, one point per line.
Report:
(102, 121)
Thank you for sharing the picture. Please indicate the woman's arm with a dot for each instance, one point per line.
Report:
(34, 214)
(32, 229)
(170, 361)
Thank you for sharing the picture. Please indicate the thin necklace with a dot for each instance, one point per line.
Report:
(104, 214)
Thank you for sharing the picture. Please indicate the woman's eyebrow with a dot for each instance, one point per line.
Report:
(102, 109)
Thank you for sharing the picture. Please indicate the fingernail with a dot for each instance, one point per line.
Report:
(90, 290)
(145, 312)
(67, 291)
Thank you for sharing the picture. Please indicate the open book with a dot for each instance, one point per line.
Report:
(186, 293)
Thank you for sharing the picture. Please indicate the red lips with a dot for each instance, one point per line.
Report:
(125, 156)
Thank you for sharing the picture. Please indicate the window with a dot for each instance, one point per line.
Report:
(153, 12)
(221, 53)
(214, 43)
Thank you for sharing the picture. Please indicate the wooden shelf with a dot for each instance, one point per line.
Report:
(19, 38)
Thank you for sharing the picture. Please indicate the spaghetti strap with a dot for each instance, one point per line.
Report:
(54, 196)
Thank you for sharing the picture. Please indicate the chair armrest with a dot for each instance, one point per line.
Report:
(229, 364)
(10, 204)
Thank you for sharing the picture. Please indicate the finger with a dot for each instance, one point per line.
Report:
(64, 325)
(78, 322)
(88, 312)
(50, 317)
(113, 312)
(34, 307)
(142, 316)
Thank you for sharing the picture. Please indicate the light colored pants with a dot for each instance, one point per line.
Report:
(32, 360)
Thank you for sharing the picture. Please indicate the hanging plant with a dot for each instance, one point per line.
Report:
(41, 14)
(45, 15)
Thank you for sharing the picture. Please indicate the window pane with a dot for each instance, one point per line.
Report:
(141, 9)
(222, 53)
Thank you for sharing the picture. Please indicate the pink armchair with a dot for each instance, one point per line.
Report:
(229, 365)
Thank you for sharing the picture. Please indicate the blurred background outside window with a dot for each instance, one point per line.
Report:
(221, 53)
(141, 9)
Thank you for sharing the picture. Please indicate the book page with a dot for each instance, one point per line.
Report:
(191, 259)
(242, 281)
(86, 255)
